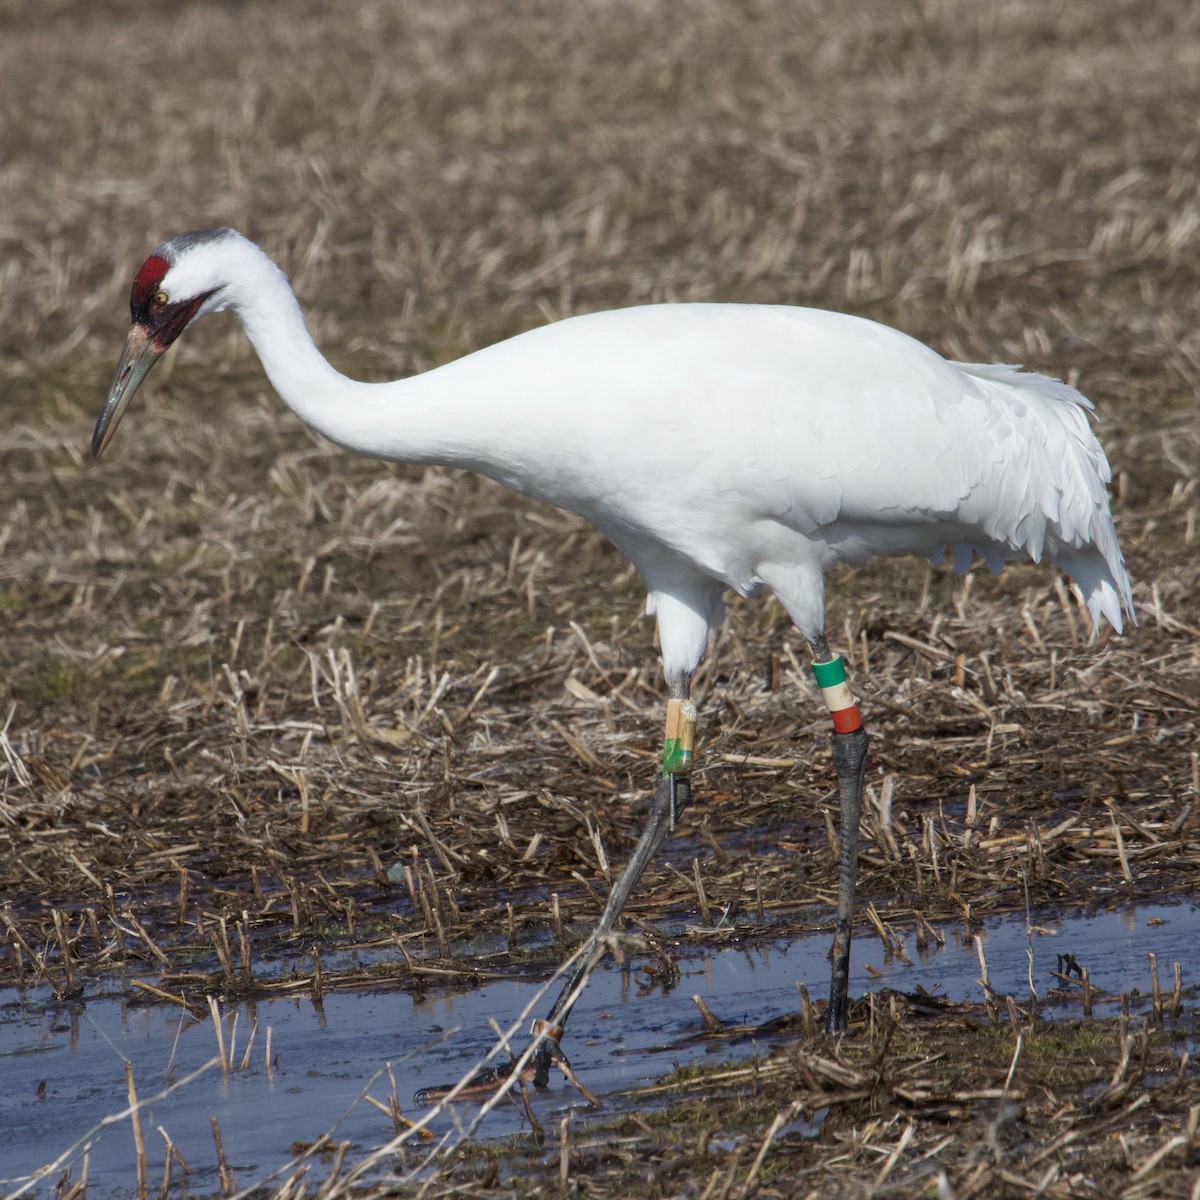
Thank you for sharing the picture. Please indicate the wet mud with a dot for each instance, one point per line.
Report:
(63, 1064)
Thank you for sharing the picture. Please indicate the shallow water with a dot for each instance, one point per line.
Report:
(62, 1070)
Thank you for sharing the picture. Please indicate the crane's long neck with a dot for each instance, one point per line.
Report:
(418, 420)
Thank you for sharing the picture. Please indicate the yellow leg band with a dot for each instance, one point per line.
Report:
(679, 743)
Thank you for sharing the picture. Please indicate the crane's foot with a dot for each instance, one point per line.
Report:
(480, 1086)
(486, 1083)
(672, 795)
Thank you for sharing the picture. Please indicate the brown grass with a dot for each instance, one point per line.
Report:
(248, 674)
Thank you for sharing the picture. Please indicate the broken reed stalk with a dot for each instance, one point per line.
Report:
(64, 944)
(927, 932)
(1155, 991)
(1120, 840)
(78, 1190)
(705, 915)
(564, 1154)
(1014, 1015)
(340, 1150)
(416, 896)
(317, 978)
(894, 1157)
(712, 1023)
(164, 1188)
(245, 1063)
(233, 1029)
(931, 847)
(214, 1010)
(1012, 1066)
(227, 1180)
(781, 1118)
(389, 1110)
(139, 1141)
(220, 944)
(244, 952)
(144, 934)
(436, 907)
(601, 856)
(831, 836)
(182, 904)
(807, 1014)
(297, 903)
(38, 961)
(173, 1152)
(893, 943)
(989, 998)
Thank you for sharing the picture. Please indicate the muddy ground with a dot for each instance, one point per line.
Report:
(260, 697)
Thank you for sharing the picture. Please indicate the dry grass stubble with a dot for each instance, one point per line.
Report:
(247, 674)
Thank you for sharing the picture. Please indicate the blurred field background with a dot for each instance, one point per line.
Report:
(243, 674)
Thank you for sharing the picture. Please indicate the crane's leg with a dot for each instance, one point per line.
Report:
(850, 763)
(671, 797)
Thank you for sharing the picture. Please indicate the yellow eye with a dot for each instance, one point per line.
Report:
(160, 298)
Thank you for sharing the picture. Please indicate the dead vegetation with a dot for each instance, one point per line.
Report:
(256, 692)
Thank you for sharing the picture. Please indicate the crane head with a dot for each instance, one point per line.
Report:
(173, 286)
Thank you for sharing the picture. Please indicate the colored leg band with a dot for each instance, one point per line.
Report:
(679, 744)
(831, 679)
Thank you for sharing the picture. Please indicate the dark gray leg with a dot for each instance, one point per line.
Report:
(850, 762)
(671, 797)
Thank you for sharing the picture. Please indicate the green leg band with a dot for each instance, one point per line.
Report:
(679, 744)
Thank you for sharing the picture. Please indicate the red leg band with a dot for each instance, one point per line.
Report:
(847, 720)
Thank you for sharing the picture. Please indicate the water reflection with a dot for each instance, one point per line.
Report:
(63, 1071)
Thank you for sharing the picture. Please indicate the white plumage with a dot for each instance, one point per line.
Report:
(718, 446)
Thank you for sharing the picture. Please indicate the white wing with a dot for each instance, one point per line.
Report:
(850, 433)
(728, 440)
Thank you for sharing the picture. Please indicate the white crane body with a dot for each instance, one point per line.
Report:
(718, 446)
(723, 445)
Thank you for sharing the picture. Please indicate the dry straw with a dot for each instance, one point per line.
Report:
(247, 679)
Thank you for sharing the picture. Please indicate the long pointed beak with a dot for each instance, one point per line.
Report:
(139, 355)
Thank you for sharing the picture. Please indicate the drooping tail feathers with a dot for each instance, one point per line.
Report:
(1065, 511)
